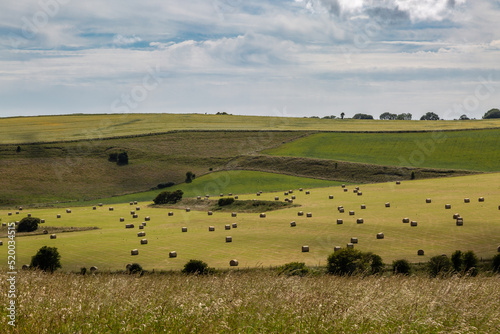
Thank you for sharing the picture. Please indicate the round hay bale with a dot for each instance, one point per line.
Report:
(330, 196)
(340, 222)
(360, 193)
(305, 249)
(428, 200)
(143, 223)
(184, 229)
(398, 182)
(58, 216)
(350, 245)
(346, 190)
(234, 225)
(236, 197)
(221, 195)
(210, 213)
(141, 227)
(290, 191)
(498, 249)
(230, 194)
(354, 240)
(341, 210)
(135, 202)
(17, 212)
(447, 206)
(233, 263)
(141, 234)
(300, 213)
(229, 239)
(337, 248)
(144, 241)
(351, 213)
(20, 208)
(481, 199)
(1, 243)
(129, 225)
(100, 204)
(456, 215)
(29, 214)
(4, 224)
(45, 232)
(172, 254)
(363, 206)
(131, 203)
(94, 208)
(293, 197)
(147, 218)
(234, 214)
(135, 215)
(93, 269)
(67, 211)
(406, 220)
(466, 200)
(355, 191)
(309, 214)
(25, 267)
(132, 212)
(340, 207)
(293, 224)
(420, 252)
(413, 223)
(300, 189)
(380, 235)
(111, 209)
(460, 222)
(262, 215)
(360, 221)
(211, 228)
(357, 188)
(387, 205)
(10, 213)
(16, 223)
(53, 236)
(227, 227)
(343, 186)
(308, 192)
(42, 221)
(286, 193)
(258, 194)
(198, 197)
(276, 198)
(122, 219)
(134, 252)
(170, 213)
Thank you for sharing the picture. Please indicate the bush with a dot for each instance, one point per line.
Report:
(496, 263)
(402, 267)
(83, 271)
(197, 267)
(470, 261)
(122, 159)
(294, 269)
(28, 224)
(135, 268)
(439, 265)
(492, 113)
(376, 264)
(167, 197)
(362, 116)
(457, 261)
(349, 261)
(225, 201)
(189, 177)
(46, 259)
(165, 185)
(430, 116)
(113, 157)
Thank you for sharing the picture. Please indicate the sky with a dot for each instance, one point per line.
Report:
(291, 58)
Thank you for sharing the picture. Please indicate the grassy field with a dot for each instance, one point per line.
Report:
(471, 150)
(251, 302)
(271, 241)
(83, 127)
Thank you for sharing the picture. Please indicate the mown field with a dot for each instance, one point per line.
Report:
(251, 302)
(471, 150)
(19, 130)
(271, 241)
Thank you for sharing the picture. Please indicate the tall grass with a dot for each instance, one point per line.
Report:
(252, 302)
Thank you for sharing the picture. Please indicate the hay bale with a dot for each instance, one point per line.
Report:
(428, 200)
(258, 194)
(363, 206)
(481, 199)
(45, 232)
(290, 191)
(234, 225)
(346, 190)
(354, 240)
(293, 224)
(309, 214)
(1, 243)
(135, 216)
(170, 213)
(172, 254)
(132, 212)
(456, 215)
(262, 215)
(111, 209)
(211, 228)
(343, 186)
(350, 245)
(293, 197)
(29, 214)
(230, 194)
(286, 193)
(359, 221)
(387, 205)
(300, 213)
(144, 241)
(53, 236)
(341, 210)
(227, 227)
(406, 220)
(210, 213)
(233, 263)
(100, 204)
(16, 223)
(276, 198)
(147, 218)
(198, 197)
(351, 213)
(498, 249)
(10, 213)
(58, 216)
(447, 206)
(184, 229)
(300, 189)
(141, 227)
(42, 221)
(340, 207)
(134, 252)
(122, 219)
(94, 208)
(221, 195)
(4, 224)
(234, 214)
(305, 249)
(380, 235)
(420, 252)
(466, 200)
(337, 248)
(330, 196)
(398, 182)
(236, 197)
(93, 269)
(460, 222)
(355, 191)
(20, 208)
(229, 239)
(17, 212)
(360, 193)
(129, 225)
(135, 202)
(25, 267)
(413, 223)
(131, 203)
(143, 223)
(308, 192)
(141, 234)
(340, 222)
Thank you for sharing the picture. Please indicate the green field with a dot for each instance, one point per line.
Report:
(19, 130)
(271, 241)
(471, 150)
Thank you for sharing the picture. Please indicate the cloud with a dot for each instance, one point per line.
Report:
(122, 40)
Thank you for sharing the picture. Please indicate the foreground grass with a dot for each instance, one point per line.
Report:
(251, 302)
(472, 150)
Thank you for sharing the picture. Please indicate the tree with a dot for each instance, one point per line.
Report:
(189, 177)
(330, 117)
(438, 265)
(404, 117)
(46, 259)
(196, 267)
(430, 116)
(134, 268)
(464, 117)
(168, 197)
(492, 113)
(496, 263)
(122, 159)
(28, 224)
(342, 115)
(362, 116)
(388, 116)
(470, 261)
(348, 261)
(457, 260)
(401, 267)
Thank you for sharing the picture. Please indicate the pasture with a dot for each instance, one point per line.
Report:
(469, 150)
(271, 241)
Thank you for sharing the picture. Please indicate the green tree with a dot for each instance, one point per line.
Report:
(168, 197)
(470, 261)
(464, 118)
(404, 117)
(348, 261)
(430, 116)
(401, 267)
(122, 159)
(28, 224)
(46, 259)
(362, 116)
(496, 263)
(189, 177)
(388, 116)
(342, 115)
(492, 113)
(457, 260)
(134, 268)
(196, 267)
(439, 265)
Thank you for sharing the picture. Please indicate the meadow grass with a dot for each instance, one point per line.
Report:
(18, 130)
(251, 302)
(472, 150)
(271, 241)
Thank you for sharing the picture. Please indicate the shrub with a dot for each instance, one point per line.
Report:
(189, 177)
(197, 267)
(28, 224)
(362, 116)
(83, 271)
(165, 185)
(412, 175)
(402, 267)
(430, 116)
(492, 113)
(46, 259)
(470, 261)
(294, 269)
(457, 260)
(439, 265)
(348, 261)
(135, 268)
(113, 157)
(167, 197)
(18, 149)
(376, 264)
(225, 201)
(122, 159)
(496, 263)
